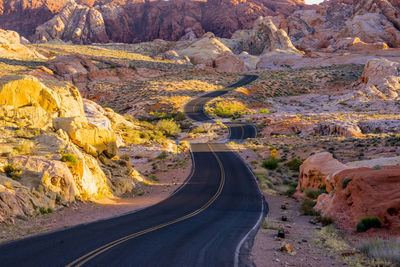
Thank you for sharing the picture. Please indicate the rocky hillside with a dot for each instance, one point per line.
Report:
(86, 21)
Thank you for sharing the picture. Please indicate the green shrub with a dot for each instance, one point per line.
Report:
(345, 182)
(388, 250)
(314, 193)
(325, 220)
(263, 111)
(169, 127)
(232, 109)
(162, 156)
(69, 158)
(12, 172)
(43, 210)
(180, 116)
(307, 208)
(294, 164)
(367, 223)
(290, 191)
(271, 163)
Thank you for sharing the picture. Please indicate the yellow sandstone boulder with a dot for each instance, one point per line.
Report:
(94, 140)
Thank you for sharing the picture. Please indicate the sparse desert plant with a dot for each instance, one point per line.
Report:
(307, 208)
(263, 111)
(294, 164)
(314, 193)
(163, 155)
(12, 172)
(231, 109)
(271, 163)
(345, 182)
(69, 158)
(367, 223)
(43, 210)
(388, 250)
(290, 191)
(169, 127)
(24, 147)
(325, 220)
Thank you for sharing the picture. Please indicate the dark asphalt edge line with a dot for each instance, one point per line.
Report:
(113, 217)
(245, 246)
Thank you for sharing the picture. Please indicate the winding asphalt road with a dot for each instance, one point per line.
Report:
(209, 221)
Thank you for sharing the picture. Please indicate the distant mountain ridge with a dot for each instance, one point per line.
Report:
(138, 20)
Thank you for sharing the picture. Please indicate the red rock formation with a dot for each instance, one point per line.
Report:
(368, 193)
(168, 20)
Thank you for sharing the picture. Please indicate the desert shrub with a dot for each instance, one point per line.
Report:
(162, 156)
(367, 223)
(43, 210)
(382, 249)
(169, 127)
(12, 172)
(294, 164)
(232, 109)
(314, 193)
(325, 220)
(271, 163)
(345, 182)
(24, 147)
(307, 208)
(69, 158)
(179, 116)
(263, 111)
(290, 191)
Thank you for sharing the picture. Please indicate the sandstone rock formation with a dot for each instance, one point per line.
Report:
(317, 171)
(76, 23)
(355, 190)
(381, 79)
(170, 20)
(367, 193)
(53, 122)
(11, 47)
(205, 50)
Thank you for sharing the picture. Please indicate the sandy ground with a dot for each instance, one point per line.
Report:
(299, 233)
(85, 212)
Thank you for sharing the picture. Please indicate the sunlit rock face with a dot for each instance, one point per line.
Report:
(12, 47)
(87, 21)
(51, 116)
(381, 79)
(354, 190)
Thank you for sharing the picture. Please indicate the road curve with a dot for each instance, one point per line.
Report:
(206, 222)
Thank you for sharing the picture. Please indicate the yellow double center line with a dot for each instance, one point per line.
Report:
(89, 256)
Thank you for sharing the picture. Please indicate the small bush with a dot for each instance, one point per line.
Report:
(180, 116)
(367, 223)
(12, 172)
(69, 158)
(325, 220)
(314, 193)
(307, 208)
(162, 156)
(263, 111)
(271, 163)
(232, 109)
(294, 164)
(345, 182)
(24, 147)
(290, 191)
(169, 127)
(43, 210)
(382, 249)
